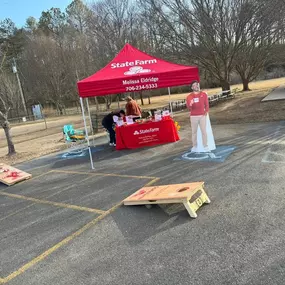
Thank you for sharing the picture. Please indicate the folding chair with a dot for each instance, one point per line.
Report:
(72, 135)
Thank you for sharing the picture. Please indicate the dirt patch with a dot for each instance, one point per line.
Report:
(32, 140)
(248, 108)
(33, 148)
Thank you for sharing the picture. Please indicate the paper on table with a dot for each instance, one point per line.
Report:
(115, 118)
(120, 123)
(157, 117)
(129, 120)
(165, 113)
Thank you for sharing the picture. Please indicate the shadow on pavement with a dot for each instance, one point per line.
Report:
(137, 223)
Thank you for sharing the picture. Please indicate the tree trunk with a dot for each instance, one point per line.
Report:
(141, 97)
(60, 109)
(245, 83)
(225, 85)
(11, 147)
(118, 100)
(77, 107)
(109, 102)
(97, 104)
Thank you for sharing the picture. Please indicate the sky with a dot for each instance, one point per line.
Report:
(20, 10)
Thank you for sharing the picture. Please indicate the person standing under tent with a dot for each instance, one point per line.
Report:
(132, 108)
(198, 105)
(108, 123)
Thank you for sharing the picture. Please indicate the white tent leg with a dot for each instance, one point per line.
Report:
(86, 131)
(89, 115)
(170, 103)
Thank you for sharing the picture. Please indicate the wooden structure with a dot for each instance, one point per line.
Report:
(10, 175)
(191, 195)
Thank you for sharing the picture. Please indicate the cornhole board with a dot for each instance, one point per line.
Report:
(10, 175)
(191, 195)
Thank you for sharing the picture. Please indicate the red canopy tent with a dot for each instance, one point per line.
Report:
(133, 70)
(130, 71)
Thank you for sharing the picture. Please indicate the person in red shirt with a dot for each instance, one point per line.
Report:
(198, 105)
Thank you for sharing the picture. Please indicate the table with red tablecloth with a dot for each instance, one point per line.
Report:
(146, 134)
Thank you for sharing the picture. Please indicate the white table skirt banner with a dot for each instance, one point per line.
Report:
(210, 137)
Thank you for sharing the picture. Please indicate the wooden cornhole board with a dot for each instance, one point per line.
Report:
(10, 175)
(191, 195)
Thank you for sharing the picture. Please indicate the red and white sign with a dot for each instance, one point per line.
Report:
(136, 70)
(133, 63)
(147, 131)
(133, 70)
(147, 134)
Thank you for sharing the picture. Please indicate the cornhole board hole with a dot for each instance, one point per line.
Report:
(191, 195)
(10, 175)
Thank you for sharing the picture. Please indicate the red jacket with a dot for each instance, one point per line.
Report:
(197, 104)
(132, 108)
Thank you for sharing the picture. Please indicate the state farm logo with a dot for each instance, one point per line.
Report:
(136, 70)
(151, 130)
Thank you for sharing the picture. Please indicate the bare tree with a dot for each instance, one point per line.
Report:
(112, 25)
(8, 96)
(264, 32)
(78, 15)
(46, 72)
(212, 33)
(250, 62)
(109, 100)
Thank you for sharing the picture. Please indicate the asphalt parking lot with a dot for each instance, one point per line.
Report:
(67, 224)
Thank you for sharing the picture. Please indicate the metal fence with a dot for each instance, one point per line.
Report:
(179, 105)
(222, 96)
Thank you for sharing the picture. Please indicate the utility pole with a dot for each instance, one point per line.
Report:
(14, 67)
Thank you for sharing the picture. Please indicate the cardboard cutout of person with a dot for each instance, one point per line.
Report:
(198, 105)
